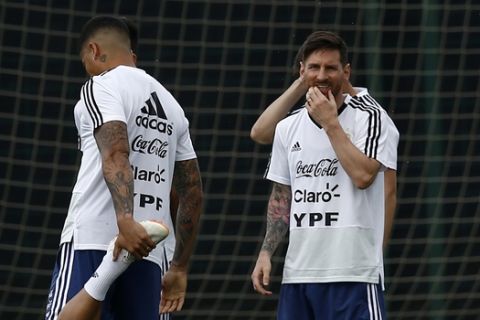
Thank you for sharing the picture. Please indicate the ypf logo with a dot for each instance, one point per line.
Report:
(152, 116)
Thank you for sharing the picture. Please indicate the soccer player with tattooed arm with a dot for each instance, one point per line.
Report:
(135, 144)
(330, 192)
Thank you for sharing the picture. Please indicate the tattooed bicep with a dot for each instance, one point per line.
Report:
(281, 191)
(186, 175)
(112, 136)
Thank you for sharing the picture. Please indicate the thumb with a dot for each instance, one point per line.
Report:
(116, 251)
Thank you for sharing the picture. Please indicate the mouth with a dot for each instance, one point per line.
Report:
(323, 89)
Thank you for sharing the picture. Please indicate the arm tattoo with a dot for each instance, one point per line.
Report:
(112, 141)
(188, 185)
(278, 217)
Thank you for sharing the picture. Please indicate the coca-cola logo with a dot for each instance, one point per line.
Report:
(324, 167)
(155, 146)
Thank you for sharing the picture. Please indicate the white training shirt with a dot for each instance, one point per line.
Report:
(158, 136)
(336, 229)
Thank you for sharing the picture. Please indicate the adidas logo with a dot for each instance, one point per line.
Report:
(153, 107)
(95, 275)
(152, 110)
(296, 147)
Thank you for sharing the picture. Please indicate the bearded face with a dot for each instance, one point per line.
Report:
(323, 69)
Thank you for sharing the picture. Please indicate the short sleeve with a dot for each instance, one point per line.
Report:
(391, 145)
(102, 103)
(277, 169)
(376, 136)
(185, 149)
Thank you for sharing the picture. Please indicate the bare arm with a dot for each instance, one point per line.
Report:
(359, 167)
(112, 141)
(188, 187)
(264, 128)
(278, 217)
(390, 203)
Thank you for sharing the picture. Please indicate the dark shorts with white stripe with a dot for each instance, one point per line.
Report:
(134, 295)
(331, 301)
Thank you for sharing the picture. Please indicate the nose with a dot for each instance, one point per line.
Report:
(321, 74)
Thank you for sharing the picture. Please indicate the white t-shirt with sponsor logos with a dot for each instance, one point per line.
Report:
(336, 229)
(158, 136)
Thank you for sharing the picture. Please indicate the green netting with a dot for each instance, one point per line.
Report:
(225, 61)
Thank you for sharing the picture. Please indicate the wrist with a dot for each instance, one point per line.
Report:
(265, 254)
(178, 267)
(124, 218)
(331, 126)
(299, 86)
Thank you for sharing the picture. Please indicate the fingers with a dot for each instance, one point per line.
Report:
(311, 96)
(141, 244)
(330, 96)
(266, 279)
(315, 93)
(116, 250)
(260, 288)
(171, 305)
(260, 281)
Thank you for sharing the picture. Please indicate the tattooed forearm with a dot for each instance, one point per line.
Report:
(188, 185)
(278, 217)
(112, 141)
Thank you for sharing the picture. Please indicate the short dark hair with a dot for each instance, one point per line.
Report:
(133, 31)
(98, 23)
(321, 40)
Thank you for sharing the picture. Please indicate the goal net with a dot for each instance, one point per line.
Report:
(225, 61)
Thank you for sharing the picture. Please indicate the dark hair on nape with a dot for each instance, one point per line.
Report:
(98, 23)
(319, 40)
(133, 32)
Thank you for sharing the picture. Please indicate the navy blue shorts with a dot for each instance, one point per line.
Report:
(134, 295)
(331, 301)
(57, 295)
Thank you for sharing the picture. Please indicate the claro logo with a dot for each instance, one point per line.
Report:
(153, 115)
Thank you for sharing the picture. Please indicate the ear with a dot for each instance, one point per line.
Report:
(346, 72)
(302, 68)
(93, 50)
(134, 57)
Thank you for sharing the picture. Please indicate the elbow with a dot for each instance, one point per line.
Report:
(364, 181)
(114, 156)
(197, 198)
(192, 194)
(256, 136)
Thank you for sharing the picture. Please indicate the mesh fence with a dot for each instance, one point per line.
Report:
(225, 61)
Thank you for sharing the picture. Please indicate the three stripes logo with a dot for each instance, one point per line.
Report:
(153, 116)
(152, 110)
(296, 147)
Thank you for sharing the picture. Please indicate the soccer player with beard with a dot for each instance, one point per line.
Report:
(122, 110)
(264, 128)
(327, 167)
